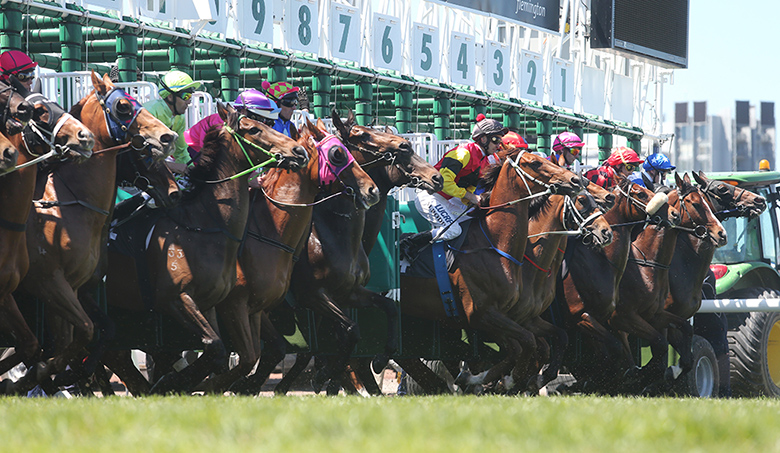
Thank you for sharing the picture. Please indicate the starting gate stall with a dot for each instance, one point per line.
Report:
(426, 70)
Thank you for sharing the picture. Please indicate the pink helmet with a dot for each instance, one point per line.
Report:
(567, 140)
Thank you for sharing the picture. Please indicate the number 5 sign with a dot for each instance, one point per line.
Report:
(257, 20)
(426, 51)
(388, 48)
(303, 26)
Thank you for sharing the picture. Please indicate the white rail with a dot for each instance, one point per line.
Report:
(739, 305)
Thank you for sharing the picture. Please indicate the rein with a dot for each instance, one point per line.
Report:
(700, 231)
(252, 167)
(580, 221)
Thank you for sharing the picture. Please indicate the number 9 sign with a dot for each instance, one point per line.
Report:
(302, 20)
(257, 20)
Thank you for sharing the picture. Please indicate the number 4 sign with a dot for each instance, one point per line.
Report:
(462, 59)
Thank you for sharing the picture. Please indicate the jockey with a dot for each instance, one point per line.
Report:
(176, 90)
(656, 167)
(622, 162)
(251, 103)
(18, 64)
(566, 147)
(286, 96)
(460, 167)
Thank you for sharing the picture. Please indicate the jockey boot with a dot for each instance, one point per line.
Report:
(409, 247)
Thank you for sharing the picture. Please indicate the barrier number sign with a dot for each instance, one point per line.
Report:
(462, 59)
(345, 35)
(388, 44)
(258, 20)
(498, 76)
(531, 76)
(426, 51)
(562, 83)
(303, 26)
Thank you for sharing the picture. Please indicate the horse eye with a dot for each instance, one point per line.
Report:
(722, 189)
(124, 108)
(337, 156)
(642, 195)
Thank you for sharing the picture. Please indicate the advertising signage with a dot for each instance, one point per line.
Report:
(543, 14)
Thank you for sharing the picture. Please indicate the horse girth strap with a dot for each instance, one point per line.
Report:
(274, 243)
(44, 204)
(13, 226)
(648, 263)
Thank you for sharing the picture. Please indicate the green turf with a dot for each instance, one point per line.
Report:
(391, 424)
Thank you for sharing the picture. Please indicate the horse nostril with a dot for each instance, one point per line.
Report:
(166, 139)
(11, 154)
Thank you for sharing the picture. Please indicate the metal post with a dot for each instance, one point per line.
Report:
(127, 53)
(442, 109)
(544, 129)
(71, 40)
(635, 143)
(475, 109)
(10, 27)
(403, 110)
(277, 73)
(605, 146)
(364, 96)
(180, 56)
(229, 69)
(321, 86)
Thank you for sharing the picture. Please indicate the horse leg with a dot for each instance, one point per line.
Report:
(559, 341)
(121, 363)
(27, 348)
(390, 307)
(301, 362)
(680, 336)
(234, 315)
(274, 350)
(424, 376)
(214, 353)
(633, 323)
(361, 367)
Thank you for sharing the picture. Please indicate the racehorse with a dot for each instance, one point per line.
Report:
(68, 226)
(280, 220)
(192, 250)
(16, 193)
(645, 284)
(486, 277)
(342, 270)
(587, 290)
(693, 255)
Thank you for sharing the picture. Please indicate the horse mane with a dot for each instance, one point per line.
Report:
(79, 106)
(490, 174)
(538, 206)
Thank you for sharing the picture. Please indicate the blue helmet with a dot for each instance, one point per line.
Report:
(636, 178)
(658, 162)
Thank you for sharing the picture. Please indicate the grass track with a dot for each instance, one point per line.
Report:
(431, 424)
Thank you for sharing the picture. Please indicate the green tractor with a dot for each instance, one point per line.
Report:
(748, 289)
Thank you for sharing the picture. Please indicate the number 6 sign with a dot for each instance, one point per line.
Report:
(388, 47)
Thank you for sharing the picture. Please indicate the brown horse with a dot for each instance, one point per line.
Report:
(280, 220)
(587, 291)
(193, 247)
(487, 281)
(693, 255)
(342, 266)
(645, 284)
(74, 200)
(16, 193)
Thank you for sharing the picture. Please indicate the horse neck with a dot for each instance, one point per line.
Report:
(693, 256)
(17, 187)
(508, 226)
(93, 181)
(376, 214)
(656, 244)
(544, 249)
(338, 220)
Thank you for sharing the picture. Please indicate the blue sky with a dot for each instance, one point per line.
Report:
(733, 54)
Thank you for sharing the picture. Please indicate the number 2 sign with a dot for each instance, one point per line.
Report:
(531, 76)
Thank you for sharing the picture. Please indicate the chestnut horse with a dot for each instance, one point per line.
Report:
(16, 193)
(693, 255)
(645, 284)
(343, 269)
(587, 291)
(68, 224)
(487, 281)
(193, 247)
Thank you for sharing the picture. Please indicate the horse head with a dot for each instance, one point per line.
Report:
(52, 128)
(375, 148)
(535, 170)
(603, 197)
(260, 142)
(336, 164)
(586, 215)
(9, 155)
(636, 203)
(728, 200)
(17, 111)
(697, 217)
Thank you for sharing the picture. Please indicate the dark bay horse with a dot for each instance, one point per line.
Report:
(645, 284)
(693, 255)
(587, 291)
(193, 248)
(68, 226)
(487, 283)
(279, 223)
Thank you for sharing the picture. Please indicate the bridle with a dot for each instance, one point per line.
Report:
(698, 230)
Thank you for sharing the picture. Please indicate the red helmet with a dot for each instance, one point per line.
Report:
(514, 140)
(15, 62)
(623, 155)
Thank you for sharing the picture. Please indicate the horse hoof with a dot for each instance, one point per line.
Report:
(318, 381)
(462, 380)
(66, 378)
(379, 363)
(166, 385)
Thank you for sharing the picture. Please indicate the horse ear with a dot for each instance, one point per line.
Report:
(223, 113)
(316, 132)
(686, 178)
(337, 123)
(648, 182)
(678, 180)
(97, 82)
(37, 86)
(294, 134)
(321, 125)
(388, 130)
(107, 81)
(350, 117)
(700, 178)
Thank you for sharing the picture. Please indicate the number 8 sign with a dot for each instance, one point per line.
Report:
(303, 26)
(257, 21)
